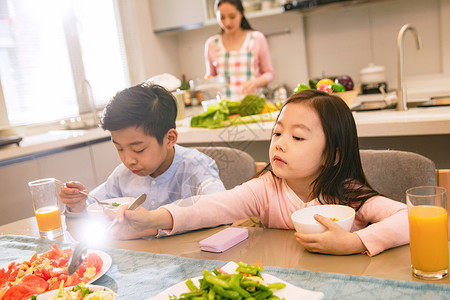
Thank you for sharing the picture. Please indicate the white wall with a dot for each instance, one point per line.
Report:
(347, 39)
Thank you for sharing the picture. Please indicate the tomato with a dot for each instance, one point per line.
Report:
(43, 273)
(325, 87)
(50, 269)
(17, 292)
(72, 280)
(35, 284)
(92, 260)
(56, 272)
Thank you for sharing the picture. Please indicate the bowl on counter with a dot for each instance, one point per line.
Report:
(348, 96)
(95, 211)
(304, 221)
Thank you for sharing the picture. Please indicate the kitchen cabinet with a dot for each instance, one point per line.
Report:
(105, 160)
(252, 9)
(175, 15)
(15, 200)
(89, 163)
(75, 164)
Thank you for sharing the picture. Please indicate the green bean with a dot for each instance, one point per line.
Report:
(260, 295)
(191, 294)
(211, 294)
(277, 285)
(235, 284)
(191, 286)
(228, 294)
(214, 280)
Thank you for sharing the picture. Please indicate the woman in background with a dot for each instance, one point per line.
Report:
(238, 53)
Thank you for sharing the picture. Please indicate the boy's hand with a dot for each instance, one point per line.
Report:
(335, 240)
(71, 197)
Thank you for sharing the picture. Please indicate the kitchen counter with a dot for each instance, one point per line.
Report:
(415, 121)
(385, 123)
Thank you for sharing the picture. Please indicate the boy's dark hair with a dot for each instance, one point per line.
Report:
(238, 4)
(149, 106)
(342, 179)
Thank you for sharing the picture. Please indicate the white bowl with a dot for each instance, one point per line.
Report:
(304, 221)
(96, 211)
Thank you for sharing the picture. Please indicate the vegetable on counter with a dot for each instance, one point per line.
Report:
(251, 105)
(250, 109)
(341, 84)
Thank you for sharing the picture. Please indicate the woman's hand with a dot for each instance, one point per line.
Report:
(250, 86)
(70, 196)
(335, 240)
(138, 223)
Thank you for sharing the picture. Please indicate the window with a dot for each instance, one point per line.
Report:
(52, 50)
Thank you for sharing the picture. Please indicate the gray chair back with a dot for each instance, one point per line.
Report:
(391, 172)
(235, 166)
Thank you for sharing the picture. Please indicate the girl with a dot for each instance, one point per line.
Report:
(238, 53)
(315, 160)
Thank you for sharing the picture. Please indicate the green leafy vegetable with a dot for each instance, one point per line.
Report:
(84, 290)
(115, 204)
(251, 105)
(312, 84)
(301, 87)
(213, 116)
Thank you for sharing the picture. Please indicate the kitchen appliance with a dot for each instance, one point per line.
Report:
(373, 78)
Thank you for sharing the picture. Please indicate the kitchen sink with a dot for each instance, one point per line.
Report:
(381, 104)
(374, 105)
(436, 101)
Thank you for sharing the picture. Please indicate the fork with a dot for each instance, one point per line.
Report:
(101, 203)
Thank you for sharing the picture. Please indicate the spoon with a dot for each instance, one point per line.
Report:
(101, 203)
(133, 205)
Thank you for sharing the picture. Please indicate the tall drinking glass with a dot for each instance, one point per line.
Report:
(428, 230)
(46, 207)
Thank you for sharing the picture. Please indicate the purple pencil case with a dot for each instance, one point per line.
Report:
(224, 240)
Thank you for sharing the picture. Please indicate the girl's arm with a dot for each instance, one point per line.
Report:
(389, 224)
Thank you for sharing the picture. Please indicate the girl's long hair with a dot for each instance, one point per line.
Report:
(238, 4)
(342, 180)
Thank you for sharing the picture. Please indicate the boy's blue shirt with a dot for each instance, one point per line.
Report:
(191, 173)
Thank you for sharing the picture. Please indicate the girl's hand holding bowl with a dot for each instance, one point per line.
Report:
(319, 231)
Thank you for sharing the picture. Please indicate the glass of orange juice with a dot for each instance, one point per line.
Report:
(46, 207)
(428, 231)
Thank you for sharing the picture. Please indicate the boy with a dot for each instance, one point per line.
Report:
(141, 120)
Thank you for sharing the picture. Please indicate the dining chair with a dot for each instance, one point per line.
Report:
(235, 166)
(392, 172)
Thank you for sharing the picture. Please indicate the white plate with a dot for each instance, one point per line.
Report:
(52, 294)
(290, 292)
(107, 262)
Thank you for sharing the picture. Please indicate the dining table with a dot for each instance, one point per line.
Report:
(143, 268)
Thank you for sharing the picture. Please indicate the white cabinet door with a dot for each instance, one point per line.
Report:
(15, 199)
(75, 164)
(170, 15)
(105, 158)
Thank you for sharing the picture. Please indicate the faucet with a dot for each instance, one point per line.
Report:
(401, 90)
